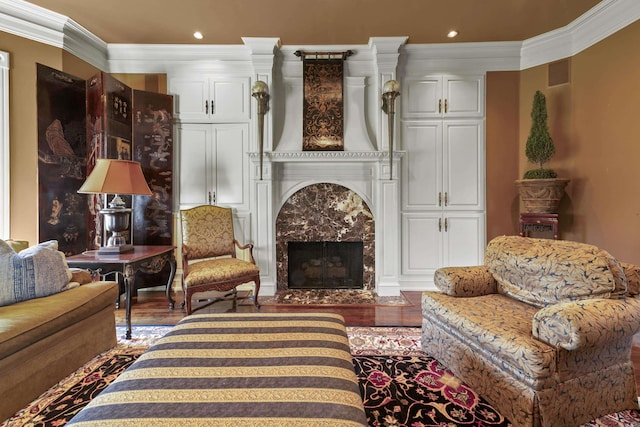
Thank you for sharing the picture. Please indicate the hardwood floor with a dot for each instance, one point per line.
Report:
(152, 308)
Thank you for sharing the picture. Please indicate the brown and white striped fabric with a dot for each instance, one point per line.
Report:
(271, 369)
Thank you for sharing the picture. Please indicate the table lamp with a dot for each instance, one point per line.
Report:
(110, 176)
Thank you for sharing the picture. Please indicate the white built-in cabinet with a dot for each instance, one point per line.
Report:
(443, 97)
(213, 114)
(443, 192)
(211, 98)
(213, 164)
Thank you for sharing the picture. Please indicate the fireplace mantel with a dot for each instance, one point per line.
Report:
(364, 172)
(312, 156)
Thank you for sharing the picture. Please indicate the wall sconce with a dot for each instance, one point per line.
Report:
(390, 91)
(110, 176)
(260, 91)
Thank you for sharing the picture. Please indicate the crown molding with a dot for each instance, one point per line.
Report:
(601, 21)
(461, 57)
(33, 22)
(162, 58)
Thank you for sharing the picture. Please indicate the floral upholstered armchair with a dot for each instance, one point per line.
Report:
(209, 261)
(543, 330)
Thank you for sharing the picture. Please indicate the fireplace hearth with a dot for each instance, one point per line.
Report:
(325, 265)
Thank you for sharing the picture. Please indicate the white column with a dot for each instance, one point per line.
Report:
(261, 192)
(386, 51)
(5, 163)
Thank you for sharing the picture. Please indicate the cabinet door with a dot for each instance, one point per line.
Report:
(463, 165)
(191, 96)
(464, 96)
(230, 99)
(207, 98)
(231, 166)
(196, 159)
(422, 235)
(422, 97)
(422, 165)
(463, 239)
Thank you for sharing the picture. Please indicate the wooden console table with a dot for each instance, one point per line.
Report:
(147, 259)
(539, 225)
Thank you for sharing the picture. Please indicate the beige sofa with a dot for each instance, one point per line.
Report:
(543, 330)
(42, 340)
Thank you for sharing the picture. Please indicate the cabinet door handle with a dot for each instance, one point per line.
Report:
(206, 107)
(209, 197)
(439, 224)
(214, 197)
(446, 224)
(446, 106)
(440, 105)
(212, 107)
(446, 198)
(440, 198)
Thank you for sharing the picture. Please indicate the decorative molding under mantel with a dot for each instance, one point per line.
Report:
(312, 156)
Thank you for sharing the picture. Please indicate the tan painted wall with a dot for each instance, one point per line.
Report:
(149, 82)
(73, 65)
(604, 149)
(23, 146)
(593, 121)
(502, 152)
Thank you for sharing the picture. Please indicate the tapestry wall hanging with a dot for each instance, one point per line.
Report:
(62, 212)
(323, 109)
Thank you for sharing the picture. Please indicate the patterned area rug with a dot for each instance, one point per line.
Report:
(400, 384)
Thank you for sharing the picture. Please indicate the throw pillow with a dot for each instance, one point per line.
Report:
(35, 272)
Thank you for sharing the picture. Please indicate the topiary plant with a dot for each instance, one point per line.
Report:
(539, 148)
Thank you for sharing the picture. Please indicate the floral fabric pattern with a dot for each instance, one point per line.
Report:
(550, 346)
(465, 281)
(201, 238)
(219, 270)
(632, 272)
(209, 253)
(589, 323)
(542, 271)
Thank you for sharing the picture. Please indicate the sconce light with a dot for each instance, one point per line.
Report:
(260, 91)
(390, 91)
(110, 176)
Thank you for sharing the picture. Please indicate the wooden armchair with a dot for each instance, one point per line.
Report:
(209, 260)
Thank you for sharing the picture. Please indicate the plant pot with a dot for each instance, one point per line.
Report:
(541, 195)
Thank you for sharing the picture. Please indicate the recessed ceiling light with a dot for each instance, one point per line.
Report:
(198, 35)
(452, 34)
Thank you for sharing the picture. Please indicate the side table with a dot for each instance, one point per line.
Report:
(539, 225)
(147, 259)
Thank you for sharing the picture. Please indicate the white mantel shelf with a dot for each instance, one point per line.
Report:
(312, 156)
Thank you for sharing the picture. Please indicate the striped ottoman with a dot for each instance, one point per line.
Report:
(272, 369)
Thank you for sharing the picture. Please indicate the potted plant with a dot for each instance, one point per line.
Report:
(540, 189)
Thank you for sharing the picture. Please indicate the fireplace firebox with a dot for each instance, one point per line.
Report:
(325, 265)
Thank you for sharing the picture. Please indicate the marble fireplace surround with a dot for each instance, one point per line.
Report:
(362, 180)
(325, 212)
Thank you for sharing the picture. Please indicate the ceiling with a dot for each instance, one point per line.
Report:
(317, 22)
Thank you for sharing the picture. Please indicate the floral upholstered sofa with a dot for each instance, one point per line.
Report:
(543, 330)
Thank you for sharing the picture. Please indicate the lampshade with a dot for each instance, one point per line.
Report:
(112, 176)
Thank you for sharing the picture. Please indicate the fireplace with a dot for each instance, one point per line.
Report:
(325, 265)
(325, 220)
